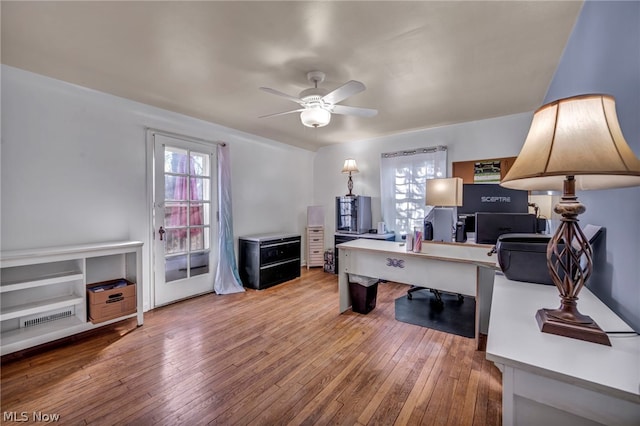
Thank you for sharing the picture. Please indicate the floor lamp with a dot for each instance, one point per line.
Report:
(573, 143)
(443, 193)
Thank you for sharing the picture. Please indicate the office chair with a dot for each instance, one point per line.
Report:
(436, 293)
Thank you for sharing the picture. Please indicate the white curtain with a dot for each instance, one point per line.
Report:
(227, 278)
(402, 185)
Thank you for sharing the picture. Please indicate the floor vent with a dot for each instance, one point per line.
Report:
(41, 318)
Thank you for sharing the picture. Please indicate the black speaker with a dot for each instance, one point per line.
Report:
(428, 231)
(461, 234)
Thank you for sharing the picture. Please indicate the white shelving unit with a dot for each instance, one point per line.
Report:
(43, 291)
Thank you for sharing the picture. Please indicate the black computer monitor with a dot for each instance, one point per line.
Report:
(487, 197)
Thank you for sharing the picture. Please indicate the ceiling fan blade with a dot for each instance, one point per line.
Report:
(350, 88)
(348, 110)
(284, 95)
(281, 113)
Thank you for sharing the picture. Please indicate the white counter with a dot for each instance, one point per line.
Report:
(550, 379)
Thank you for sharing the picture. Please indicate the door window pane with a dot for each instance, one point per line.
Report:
(176, 241)
(175, 268)
(199, 164)
(199, 214)
(199, 263)
(200, 190)
(176, 188)
(175, 160)
(175, 214)
(199, 238)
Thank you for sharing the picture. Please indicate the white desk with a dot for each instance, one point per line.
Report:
(555, 380)
(449, 267)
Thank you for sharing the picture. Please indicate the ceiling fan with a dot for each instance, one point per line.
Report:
(318, 104)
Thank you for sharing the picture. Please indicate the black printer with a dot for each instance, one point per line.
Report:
(523, 257)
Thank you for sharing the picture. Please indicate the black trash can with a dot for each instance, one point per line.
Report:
(363, 292)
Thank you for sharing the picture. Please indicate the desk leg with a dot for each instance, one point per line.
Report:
(484, 291)
(343, 282)
(508, 411)
(478, 298)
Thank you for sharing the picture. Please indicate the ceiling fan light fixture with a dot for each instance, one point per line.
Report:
(315, 117)
(317, 105)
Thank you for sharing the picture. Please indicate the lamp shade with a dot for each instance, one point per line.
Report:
(315, 117)
(445, 192)
(578, 136)
(350, 166)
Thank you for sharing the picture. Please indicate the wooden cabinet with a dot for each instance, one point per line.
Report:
(268, 259)
(315, 246)
(466, 169)
(44, 291)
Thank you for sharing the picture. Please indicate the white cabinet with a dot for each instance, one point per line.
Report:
(315, 246)
(43, 291)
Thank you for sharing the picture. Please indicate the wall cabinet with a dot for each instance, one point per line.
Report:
(268, 259)
(315, 246)
(44, 291)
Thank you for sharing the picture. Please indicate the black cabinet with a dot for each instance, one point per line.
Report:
(269, 259)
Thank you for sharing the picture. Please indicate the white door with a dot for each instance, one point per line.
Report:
(184, 248)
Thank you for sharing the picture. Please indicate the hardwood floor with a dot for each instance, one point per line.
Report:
(278, 356)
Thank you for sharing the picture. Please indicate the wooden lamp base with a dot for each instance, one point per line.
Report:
(587, 331)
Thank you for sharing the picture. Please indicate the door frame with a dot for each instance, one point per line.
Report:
(150, 180)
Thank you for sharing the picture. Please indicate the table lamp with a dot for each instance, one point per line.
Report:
(439, 193)
(573, 143)
(350, 166)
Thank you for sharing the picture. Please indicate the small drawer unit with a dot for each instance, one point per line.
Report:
(315, 246)
(268, 259)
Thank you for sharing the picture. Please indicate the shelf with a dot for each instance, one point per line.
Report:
(53, 254)
(37, 307)
(20, 334)
(22, 338)
(41, 284)
(54, 278)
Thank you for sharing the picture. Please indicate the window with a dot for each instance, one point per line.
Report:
(402, 185)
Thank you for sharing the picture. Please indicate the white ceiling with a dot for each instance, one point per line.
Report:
(425, 63)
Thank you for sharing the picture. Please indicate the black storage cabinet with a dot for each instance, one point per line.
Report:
(268, 259)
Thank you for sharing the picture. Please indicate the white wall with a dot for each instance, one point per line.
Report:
(73, 168)
(484, 139)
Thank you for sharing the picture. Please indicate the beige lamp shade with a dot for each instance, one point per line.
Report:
(445, 192)
(578, 136)
(350, 166)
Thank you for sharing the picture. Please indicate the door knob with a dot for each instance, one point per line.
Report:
(161, 231)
